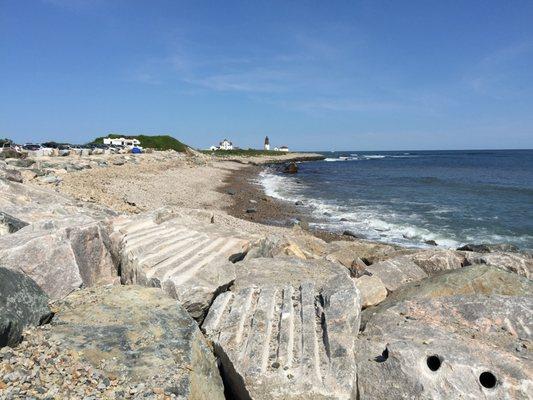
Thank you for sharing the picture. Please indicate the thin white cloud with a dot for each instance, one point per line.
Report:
(498, 74)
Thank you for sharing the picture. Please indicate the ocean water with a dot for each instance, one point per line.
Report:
(409, 197)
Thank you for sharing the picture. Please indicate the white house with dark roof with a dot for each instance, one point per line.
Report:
(223, 145)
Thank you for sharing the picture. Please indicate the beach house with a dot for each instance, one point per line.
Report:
(223, 145)
(122, 142)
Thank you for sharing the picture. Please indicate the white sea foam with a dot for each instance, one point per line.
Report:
(372, 222)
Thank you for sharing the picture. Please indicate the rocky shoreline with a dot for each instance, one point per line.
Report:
(127, 277)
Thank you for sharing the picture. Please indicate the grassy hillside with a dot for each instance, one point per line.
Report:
(161, 142)
(244, 153)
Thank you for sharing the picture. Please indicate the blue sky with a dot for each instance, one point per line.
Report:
(313, 75)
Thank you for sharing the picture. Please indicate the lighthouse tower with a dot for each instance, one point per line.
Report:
(267, 143)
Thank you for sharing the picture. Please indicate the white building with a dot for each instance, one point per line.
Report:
(224, 145)
(282, 148)
(122, 142)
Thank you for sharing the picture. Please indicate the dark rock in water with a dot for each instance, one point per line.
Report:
(344, 219)
(250, 210)
(140, 335)
(291, 168)
(351, 234)
(431, 242)
(231, 192)
(326, 214)
(10, 224)
(299, 203)
(489, 248)
(22, 303)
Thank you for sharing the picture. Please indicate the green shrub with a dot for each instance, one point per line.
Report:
(159, 142)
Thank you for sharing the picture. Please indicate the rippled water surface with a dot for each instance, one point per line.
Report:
(452, 197)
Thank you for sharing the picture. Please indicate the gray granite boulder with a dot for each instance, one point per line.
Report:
(519, 263)
(61, 259)
(22, 303)
(489, 248)
(10, 224)
(372, 290)
(140, 336)
(12, 175)
(33, 204)
(286, 330)
(436, 261)
(396, 272)
(467, 281)
(455, 347)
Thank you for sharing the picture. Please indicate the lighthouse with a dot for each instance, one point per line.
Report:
(267, 143)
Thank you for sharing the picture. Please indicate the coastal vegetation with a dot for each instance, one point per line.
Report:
(243, 153)
(158, 142)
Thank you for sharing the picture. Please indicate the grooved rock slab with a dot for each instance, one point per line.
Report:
(289, 333)
(188, 258)
(465, 336)
(60, 259)
(397, 272)
(139, 335)
(22, 303)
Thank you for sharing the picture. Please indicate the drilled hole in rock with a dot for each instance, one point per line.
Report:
(434, 362)
(488, 380)
(383, 357)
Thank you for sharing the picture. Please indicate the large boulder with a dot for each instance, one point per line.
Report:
(519, 263)
(114, 342)
(397, 272)
(22, 303)
(34, 204)
(190, 259)
(457, 347)
(372, 290)
(489, 248)
(471, 280)
(286, 330)
(10, 224)
(60, 258)
(436, 261)
(298, 244)
(369, 252)
(12, 175)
